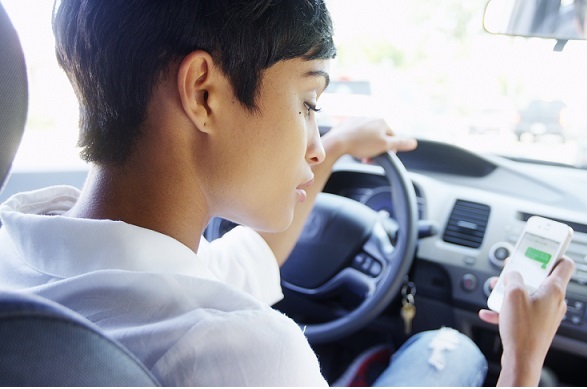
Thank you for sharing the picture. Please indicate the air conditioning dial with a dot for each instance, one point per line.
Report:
(499, 252)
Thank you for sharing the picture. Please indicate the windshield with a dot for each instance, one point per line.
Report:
(435, 73)
(428, 67)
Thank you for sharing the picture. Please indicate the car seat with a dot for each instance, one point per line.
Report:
(41, 342)
(45, 344)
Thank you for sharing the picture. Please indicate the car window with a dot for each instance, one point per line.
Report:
(426, 66)
(50, 137)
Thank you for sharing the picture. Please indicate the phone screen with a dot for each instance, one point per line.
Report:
(532, 258)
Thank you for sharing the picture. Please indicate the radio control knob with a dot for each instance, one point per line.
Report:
(499, 252)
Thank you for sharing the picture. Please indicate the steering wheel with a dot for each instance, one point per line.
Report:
(347, 249)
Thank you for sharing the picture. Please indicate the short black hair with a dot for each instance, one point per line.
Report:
(115, 51)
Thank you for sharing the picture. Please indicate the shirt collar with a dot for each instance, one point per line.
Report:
(65, 247)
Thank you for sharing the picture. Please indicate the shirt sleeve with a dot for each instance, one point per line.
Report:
(260, 348)
(242, 259)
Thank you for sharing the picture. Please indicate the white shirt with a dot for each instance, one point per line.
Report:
(194, 320)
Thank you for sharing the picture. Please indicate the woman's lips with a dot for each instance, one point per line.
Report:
(301, 190)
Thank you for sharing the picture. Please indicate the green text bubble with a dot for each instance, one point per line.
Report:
(539, 256)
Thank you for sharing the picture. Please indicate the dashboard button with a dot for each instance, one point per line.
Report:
(469, 260)
(469, 282)
(359, 259)
(499, 252)
(575, 311)
(487, 287)
(367, 264)
(375, 268)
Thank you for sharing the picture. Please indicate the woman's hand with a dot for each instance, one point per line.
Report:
(365, 138)
(528, 323)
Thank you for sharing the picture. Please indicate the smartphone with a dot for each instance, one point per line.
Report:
(540, 246)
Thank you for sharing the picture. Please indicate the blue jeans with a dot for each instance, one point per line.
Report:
(443, 357)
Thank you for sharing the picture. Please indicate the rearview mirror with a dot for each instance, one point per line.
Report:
(562, 20)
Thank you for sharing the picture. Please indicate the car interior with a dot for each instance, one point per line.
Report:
(427, 228)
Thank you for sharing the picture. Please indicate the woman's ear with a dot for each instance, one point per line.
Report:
(194, 81)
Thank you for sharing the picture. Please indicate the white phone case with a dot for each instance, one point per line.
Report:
(540, 246)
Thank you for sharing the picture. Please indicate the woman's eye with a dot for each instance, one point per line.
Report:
(311, 107)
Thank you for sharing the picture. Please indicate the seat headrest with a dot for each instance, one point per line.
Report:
(13, 94)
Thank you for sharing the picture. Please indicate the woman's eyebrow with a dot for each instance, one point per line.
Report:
(319, 73)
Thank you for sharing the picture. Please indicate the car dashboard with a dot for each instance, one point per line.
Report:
(475, 207)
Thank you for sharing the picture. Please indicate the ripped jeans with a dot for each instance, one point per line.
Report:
(443, 357)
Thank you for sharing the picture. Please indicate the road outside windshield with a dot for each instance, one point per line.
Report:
(426, 66)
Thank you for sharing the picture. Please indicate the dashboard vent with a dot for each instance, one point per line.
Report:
(467, 223)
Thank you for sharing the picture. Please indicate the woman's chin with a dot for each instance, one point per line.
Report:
(275, 223)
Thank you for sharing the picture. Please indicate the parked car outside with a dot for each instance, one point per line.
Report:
(497, 119)
(542, 118)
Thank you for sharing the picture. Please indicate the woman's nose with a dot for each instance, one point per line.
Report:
(315, 153)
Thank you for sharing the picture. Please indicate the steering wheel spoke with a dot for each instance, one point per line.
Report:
(348, 279)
